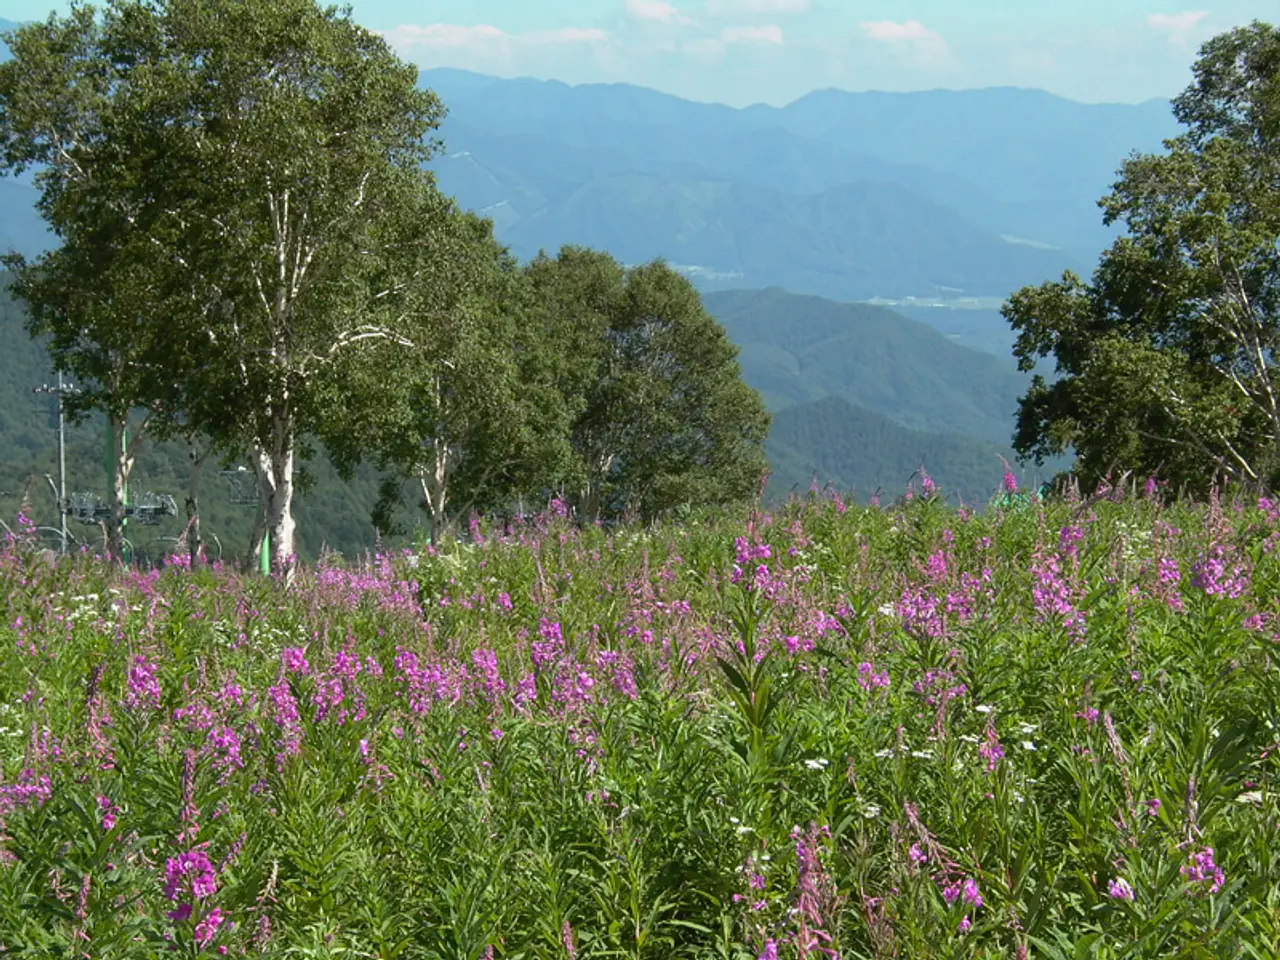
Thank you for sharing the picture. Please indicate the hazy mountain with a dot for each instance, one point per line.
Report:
(846, 195)
(5, 26)
(856, 449)
(1020, 164)
(796, 349)
(21, 227)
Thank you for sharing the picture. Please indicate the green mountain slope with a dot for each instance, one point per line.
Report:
(859, 450)
(796, 349)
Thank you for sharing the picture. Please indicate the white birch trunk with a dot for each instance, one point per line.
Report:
(121, 467)
(195, 465)
(435, 487)
(275, 480)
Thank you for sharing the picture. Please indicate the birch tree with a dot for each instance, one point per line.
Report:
(268, 157)
(1167, 359)
(473, 420)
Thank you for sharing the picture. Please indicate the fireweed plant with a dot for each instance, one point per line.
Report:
(1043, 730)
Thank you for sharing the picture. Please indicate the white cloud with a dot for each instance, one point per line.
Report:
(483, 37)
(447, 35)
(567, 35)
(723, 8)
(920, 46)
(716, 46)
(770, 34)
(1178, 27)
(656, 11)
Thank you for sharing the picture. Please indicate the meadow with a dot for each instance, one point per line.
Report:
(1048, 729)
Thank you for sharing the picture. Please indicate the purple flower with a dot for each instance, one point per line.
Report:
(190, 872)
(770, 950)
(1119, 889)
(870, 679)
(143, 687)
(1203, 870)
(207, 928)
(294, 660)
(971, 894)
(991, 750)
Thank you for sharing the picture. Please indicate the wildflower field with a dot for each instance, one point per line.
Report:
(1046, 730)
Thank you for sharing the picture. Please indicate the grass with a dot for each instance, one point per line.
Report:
(1049, 730)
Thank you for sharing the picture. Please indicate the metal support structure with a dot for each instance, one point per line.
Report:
(59, 390)
(244, 491)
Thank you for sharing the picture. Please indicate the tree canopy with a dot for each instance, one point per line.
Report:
(254, 253)
(1166, 360)
(261, 165)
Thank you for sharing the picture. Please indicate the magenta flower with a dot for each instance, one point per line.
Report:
(1203, 870)
(991, 750)
(971, 894)
(1120, 889)
(143, 687)
(294, 660)
(207, 928)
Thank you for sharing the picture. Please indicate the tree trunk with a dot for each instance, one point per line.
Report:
(593, 495)
(435, 487)
(275, 475)
(121, 467)
(195, 545)
(259, 532)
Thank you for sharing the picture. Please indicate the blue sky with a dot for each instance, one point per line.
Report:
(772, 51)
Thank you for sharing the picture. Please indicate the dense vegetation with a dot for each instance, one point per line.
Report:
(857, 447)
(1166, 358)
(863, 453)
(908, 732)
(254, 260)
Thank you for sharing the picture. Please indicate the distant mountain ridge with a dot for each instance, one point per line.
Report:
(987, 169)
(796, 349)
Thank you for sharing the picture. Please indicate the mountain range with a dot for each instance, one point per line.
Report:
(936, 194)
(934, 205)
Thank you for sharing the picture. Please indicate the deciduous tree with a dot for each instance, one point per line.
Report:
(1167, 359)
(269, 157)
(662, 417)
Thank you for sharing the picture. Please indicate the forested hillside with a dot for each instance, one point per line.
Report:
(800, 348)
(333, 514)
(820, 365)
(859, 452)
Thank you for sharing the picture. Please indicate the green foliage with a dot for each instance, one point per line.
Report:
(1166, 359)
(245, 178)
(821, 726)
(661, 415)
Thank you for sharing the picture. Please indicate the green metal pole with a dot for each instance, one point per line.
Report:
(264, 555)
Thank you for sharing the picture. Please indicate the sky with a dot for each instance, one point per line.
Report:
(774, 51)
